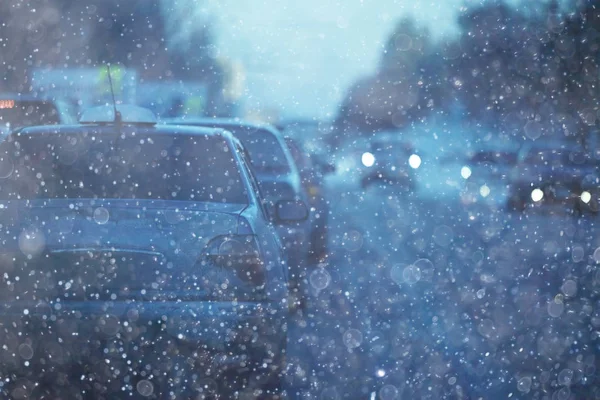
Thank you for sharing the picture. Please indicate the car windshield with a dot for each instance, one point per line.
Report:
(18, 113)
(104, 165)
(266, 152)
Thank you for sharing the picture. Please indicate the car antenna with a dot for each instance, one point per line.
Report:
(118, 118)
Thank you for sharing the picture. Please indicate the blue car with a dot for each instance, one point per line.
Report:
(313, 170)
(554, 177)
(278, 178)
(138, 259)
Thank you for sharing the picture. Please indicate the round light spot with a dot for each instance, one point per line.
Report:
(145, 388)
(524, 384)
(352, 241)
(411, 274)
(533, 129)
(465, 172)
(6, 167)
(352, 338)
(597, 255)
(414, 161)
(443, 235)
(577, 253)
(565, 377)
(396, 273)
(484, 191)
(537, 195)
(563, 393)
(26, 351)
(486, 328)
(555, 308)
(32, 241)
(586, 197)
(368, 159)
(329, 393)
(101, 215)
(319, 278)
(389, 392)
(569, 288)
(380, 373)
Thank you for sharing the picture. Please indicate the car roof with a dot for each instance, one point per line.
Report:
(389, 136)
(544, 146)
(219, 122)
(559, 146)
(146, 129)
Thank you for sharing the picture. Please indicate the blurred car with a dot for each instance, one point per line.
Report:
(27, 110)
(136, 246)
(391, 161)
(315, 134)
(486, 174)
(554, 175)
(312, 171)
(278, 179)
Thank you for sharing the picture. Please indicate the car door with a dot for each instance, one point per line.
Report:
(246, 165)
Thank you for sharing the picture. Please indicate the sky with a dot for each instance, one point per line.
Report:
(300, 57)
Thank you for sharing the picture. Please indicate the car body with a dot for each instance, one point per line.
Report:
(388, 162)
(485, 175)
(278, 178)
(377, 159)
(561, 175)
(28, 110)
(312, 172)
(141, 243)
(315, 134)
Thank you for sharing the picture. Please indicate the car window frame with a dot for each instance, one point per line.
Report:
(246, 165)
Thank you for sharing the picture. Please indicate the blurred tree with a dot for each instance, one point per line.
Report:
(526, 72)
(573, 52)
(407, 87)
(499, 71)
(531, 72)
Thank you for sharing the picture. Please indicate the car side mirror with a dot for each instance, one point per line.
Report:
(288, 211)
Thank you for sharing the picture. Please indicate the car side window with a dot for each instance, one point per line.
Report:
(255, 187)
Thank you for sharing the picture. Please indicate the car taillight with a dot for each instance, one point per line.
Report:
(239, 253)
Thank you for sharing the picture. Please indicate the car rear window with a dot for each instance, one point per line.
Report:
(18, 113)
(129, 166)
(266, 152)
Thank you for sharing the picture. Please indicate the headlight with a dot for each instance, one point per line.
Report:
(537, 195)
(585, 196)
(465, 172)
(368, 159)
(484, 191)
(414, 161)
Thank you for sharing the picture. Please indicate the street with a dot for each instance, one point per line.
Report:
(432, 299)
